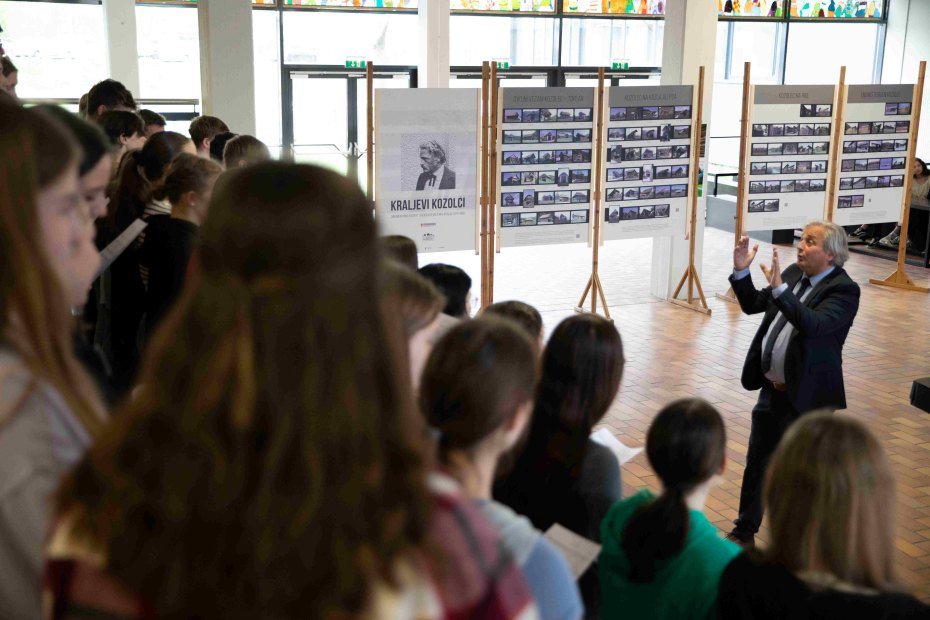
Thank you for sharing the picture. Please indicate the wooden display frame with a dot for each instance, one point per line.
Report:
(839, 108)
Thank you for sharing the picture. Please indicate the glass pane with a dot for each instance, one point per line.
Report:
(267, 77)
(319, 38)
(599, 42)
(837, 9)
(526, 41)
(320, 121)
(852, 45)
(355, 4)
(527, 6)
(618, 7)
(362, 111)
(751, 8)
(59, 49)
(169, 52)
(264, 2)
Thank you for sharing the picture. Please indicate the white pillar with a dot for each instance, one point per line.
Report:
(689, 41)
(227, 63)
(122, 48)
(434, 44)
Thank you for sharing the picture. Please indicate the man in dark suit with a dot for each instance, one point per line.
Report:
(796, 356)
(436, 174)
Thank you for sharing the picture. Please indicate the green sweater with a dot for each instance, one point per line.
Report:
(685, 585)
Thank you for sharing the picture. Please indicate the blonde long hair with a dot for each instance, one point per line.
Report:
(831, 497)
(34, 315)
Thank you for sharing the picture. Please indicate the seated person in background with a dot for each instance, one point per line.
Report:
(108, 95)
(218, 144)
(402, 249)
(477, 395)
(126, 131)
(285, 471)
(454, 284)
(560, 475)
(9, 77)
(170, 239)
(525, 315)
(244, 150)
(154, 122)
(661, 557)
(831, 497)
(202, 130)
(418, 303)
(920, 190)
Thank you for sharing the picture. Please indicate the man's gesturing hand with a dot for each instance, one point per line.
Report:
(773, 275)
(742, 255)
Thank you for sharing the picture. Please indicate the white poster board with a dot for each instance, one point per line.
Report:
(648, 159)
(426, 166)
(876, 127)
(546, 146)
(791, 128)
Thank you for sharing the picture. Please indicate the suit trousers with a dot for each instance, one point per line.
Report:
(771, 417)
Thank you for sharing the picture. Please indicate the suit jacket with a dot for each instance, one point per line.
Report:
(446, 182)
(814, 357)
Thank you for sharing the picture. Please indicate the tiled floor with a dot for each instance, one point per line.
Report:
(673, 352)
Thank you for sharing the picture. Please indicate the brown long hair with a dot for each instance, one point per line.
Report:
(833, 467)
(34, 316)
(272, 464)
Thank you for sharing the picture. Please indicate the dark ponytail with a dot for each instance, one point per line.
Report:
(685, 444)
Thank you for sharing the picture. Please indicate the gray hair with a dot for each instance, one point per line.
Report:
(435, 149)
(834, 241)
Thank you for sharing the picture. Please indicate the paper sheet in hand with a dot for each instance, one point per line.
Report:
(578, 550)
(110, 253)
(622, 452)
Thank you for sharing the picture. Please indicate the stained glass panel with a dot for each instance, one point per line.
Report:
(751, 8)
(837, 9)
(615, 7)
(354, 4)
(524, 6)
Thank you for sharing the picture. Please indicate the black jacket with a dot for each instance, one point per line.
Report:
(814, 358)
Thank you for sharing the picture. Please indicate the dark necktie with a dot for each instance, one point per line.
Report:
(780, 323)
(432, 180)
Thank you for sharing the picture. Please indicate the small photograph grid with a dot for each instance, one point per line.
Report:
(555, 156)
(773, 149)
(650, 112)
(878, 163)
(547, 115)
(850, 202)
(544, 218)
(618, 154)
(874, 146)
(649, 192)
(647, 173)
(898, 109)
(791, 130)
(876, 127)
(822, 110)
(662, 133)
(871, 182)
(787, 186)
(758, 168)
(545, 136)
(763, 206)
(615, 215)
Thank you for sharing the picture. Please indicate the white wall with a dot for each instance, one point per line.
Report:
(906, 44)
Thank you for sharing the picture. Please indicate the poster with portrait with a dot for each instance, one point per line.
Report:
(426, 166)
(789, 154)
(647, 163)
(545, 146)
(873, 161)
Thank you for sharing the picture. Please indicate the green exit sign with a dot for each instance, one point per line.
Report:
(503, 64)
(621, 65)
(356, 64)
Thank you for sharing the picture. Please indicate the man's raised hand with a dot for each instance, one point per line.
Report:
(742, 255)
(773, 275)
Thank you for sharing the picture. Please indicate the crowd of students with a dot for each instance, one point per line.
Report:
(222, 395)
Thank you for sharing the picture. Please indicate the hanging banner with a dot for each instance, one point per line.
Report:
(545, 145)
(876, 127)
(790, 128)
(426, 166)
(648, 159)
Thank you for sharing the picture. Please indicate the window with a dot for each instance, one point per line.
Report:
(599, 42)
(354, 4)
(524, 41)
(751, 8)
(321, 38)
(525, 6)
(838, 9)
(59, 49)
(267, 78)
(169, 52)
(853, 45)
(615, 7)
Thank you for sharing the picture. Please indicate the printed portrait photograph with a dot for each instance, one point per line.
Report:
(429, 162)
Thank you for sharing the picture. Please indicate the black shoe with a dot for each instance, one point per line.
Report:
(743, 539)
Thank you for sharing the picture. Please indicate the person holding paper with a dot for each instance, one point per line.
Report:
(477, 395)
(796, 356)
